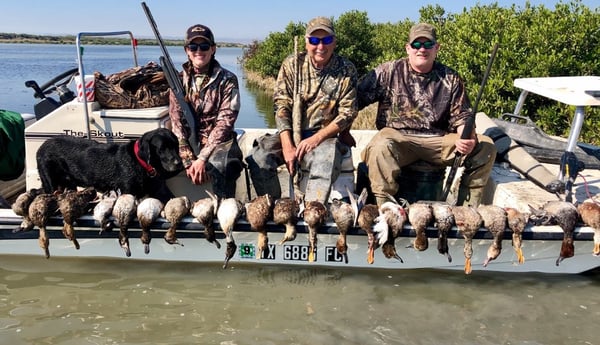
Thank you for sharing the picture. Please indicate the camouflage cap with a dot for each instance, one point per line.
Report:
(320, 23)
(422, 30)
(199, 31)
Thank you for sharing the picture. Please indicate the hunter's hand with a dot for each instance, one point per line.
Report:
(465, 146)
(307, 145)
(197, 172)
(289, 155)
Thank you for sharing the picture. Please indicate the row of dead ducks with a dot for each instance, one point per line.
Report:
(381, 224)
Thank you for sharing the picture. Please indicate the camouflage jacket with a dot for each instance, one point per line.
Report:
(327, 95)
(216, 107)
(416, 103)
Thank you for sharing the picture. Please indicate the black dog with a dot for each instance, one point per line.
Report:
(139, 167)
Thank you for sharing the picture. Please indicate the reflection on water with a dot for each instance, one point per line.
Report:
(263, 103)
(93, 301)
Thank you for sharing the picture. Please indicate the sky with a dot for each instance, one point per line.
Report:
(238, 21)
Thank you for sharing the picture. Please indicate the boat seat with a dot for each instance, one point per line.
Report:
(420, 180)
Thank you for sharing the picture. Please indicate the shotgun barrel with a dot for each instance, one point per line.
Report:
(172, 76)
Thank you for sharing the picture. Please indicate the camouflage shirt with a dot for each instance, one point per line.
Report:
(216, 106)
(416, 103)
(327, 95)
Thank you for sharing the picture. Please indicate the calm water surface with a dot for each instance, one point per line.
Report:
(85, 301)
(42, 62)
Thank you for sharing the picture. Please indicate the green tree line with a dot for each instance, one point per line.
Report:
(534, 41)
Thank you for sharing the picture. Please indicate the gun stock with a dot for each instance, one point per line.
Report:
(172, 76)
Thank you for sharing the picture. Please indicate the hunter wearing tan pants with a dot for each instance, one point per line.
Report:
(422, 110)
(390, 150)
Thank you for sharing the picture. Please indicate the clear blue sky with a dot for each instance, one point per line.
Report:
(230, 20)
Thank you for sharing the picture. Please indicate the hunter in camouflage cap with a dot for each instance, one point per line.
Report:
(320, 23)
(422, 30)
(199, 31)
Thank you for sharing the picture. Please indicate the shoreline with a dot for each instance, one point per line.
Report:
(13, 38)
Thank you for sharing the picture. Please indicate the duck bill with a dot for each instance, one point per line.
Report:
(371, 255)
(468, 268)
(520, 256)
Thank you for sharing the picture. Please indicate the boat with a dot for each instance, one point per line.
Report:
(512, 184)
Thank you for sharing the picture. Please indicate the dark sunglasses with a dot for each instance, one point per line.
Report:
(426, 44)
(315, 40)
(204, 46)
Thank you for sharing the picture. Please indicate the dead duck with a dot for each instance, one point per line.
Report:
(388, 226)
(21, 208)
(147, 211)
(174, 210)
(443, 220)
(258, 212)
(205, 211)
(420, 214)
(468, 221)
(517, 221)
(563, 214)
(590, 215)
(366, 219)
(285, 212)
(103, 210)
(344, 215)
(72, 205)
(228, 214)
(494, 220)
(124, 211)
(40, 210)
(314, 215)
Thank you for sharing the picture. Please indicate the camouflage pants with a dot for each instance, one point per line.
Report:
(389, 150)
(321, 167)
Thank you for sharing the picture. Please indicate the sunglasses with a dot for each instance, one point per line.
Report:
(316, 40)
(426, 44)
(204, 46)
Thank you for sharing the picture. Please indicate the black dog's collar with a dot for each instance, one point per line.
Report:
(149, 168)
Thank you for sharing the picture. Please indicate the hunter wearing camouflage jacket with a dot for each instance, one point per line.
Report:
(417, 116)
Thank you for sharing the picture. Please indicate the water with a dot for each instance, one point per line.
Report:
(122, 301)
(85, 301)
(42, 62)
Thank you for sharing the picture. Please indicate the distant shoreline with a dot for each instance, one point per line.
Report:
(71, 39)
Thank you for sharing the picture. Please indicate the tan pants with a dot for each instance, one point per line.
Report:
(389, 150)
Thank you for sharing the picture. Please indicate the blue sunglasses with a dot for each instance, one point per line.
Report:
(204, 46)
(426, 44)
(316, 40)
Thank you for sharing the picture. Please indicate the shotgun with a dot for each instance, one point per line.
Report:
(172, 76)
(453, 177)
(296, 119)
